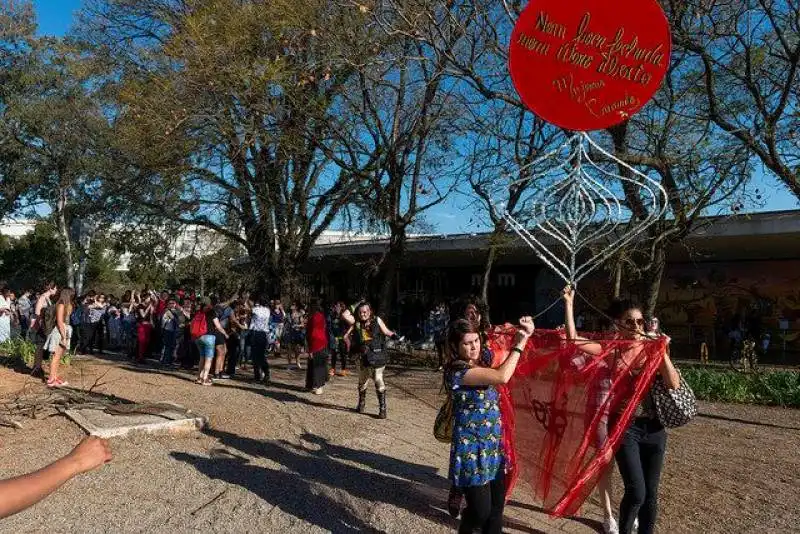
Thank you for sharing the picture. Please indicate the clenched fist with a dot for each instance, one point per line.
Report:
(90, 454)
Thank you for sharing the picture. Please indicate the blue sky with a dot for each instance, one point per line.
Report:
(56, 16)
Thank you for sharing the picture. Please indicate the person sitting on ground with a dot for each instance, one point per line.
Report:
(19, 493)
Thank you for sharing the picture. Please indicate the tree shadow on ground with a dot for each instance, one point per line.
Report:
(287, 491)
(362, 474)
(591, 523)
(745, 421)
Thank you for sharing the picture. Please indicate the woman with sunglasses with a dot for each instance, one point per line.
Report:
(640, 457)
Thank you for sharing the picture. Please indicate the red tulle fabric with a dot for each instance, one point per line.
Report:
(567, 407)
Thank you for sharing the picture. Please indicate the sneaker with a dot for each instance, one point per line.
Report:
(454, 502)
(636, 524)
(208, 382)
(610, 526)
(317, 391)
(224, 376)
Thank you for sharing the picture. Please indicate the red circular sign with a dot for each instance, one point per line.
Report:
(589, 64)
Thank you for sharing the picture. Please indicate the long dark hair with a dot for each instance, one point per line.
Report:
(65, 297)
(455, 333)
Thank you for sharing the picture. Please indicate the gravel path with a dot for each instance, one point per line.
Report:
(279, 459)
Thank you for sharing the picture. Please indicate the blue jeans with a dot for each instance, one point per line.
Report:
(205, 344)
(244, 346)
(169, 338)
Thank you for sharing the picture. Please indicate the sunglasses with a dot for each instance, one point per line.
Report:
(634, 322)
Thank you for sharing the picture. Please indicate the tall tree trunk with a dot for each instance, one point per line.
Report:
(63, 232)
(80, 273)
(654, 277)
(495, 242)
(617, 279)
(391, 264)
(287, 282)
(487, 272)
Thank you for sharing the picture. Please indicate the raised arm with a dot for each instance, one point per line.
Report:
(485, 376)
(583, 344)
(347, 317)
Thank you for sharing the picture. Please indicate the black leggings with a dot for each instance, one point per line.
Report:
(258, 347)
(484, 506)
(640, 459)
(340, 353)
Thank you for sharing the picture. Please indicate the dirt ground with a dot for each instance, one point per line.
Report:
(279, 459)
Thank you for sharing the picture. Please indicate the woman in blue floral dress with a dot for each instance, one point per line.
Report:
(477, 460)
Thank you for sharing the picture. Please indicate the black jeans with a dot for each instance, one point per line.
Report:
(91, 337)
(339, 352)
(258, 349)
(640, 459)
(485, 505)
(233, 354)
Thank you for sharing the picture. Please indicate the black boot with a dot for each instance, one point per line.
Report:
(381, 404)
(362, 401)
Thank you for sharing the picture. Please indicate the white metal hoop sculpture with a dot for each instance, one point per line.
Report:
(580, 216)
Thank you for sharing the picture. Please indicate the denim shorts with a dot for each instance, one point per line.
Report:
(206, 345)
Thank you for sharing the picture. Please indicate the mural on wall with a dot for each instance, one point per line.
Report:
(725, 295)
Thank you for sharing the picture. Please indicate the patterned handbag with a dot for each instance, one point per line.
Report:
(674, 407)
(443, 426)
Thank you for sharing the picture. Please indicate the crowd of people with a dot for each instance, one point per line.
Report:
(219, 337)
(215, 336)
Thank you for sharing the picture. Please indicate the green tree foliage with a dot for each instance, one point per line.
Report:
(224, 110)
(17, 56)
(32, 260)
(746, 62)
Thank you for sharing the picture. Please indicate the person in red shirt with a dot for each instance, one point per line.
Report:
(317, 337)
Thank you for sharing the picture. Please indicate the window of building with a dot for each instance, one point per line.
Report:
(506, 280)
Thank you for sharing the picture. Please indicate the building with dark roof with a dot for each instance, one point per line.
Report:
(731, 271)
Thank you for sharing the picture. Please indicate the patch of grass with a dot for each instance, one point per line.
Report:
(774, 388)
(18, 351)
